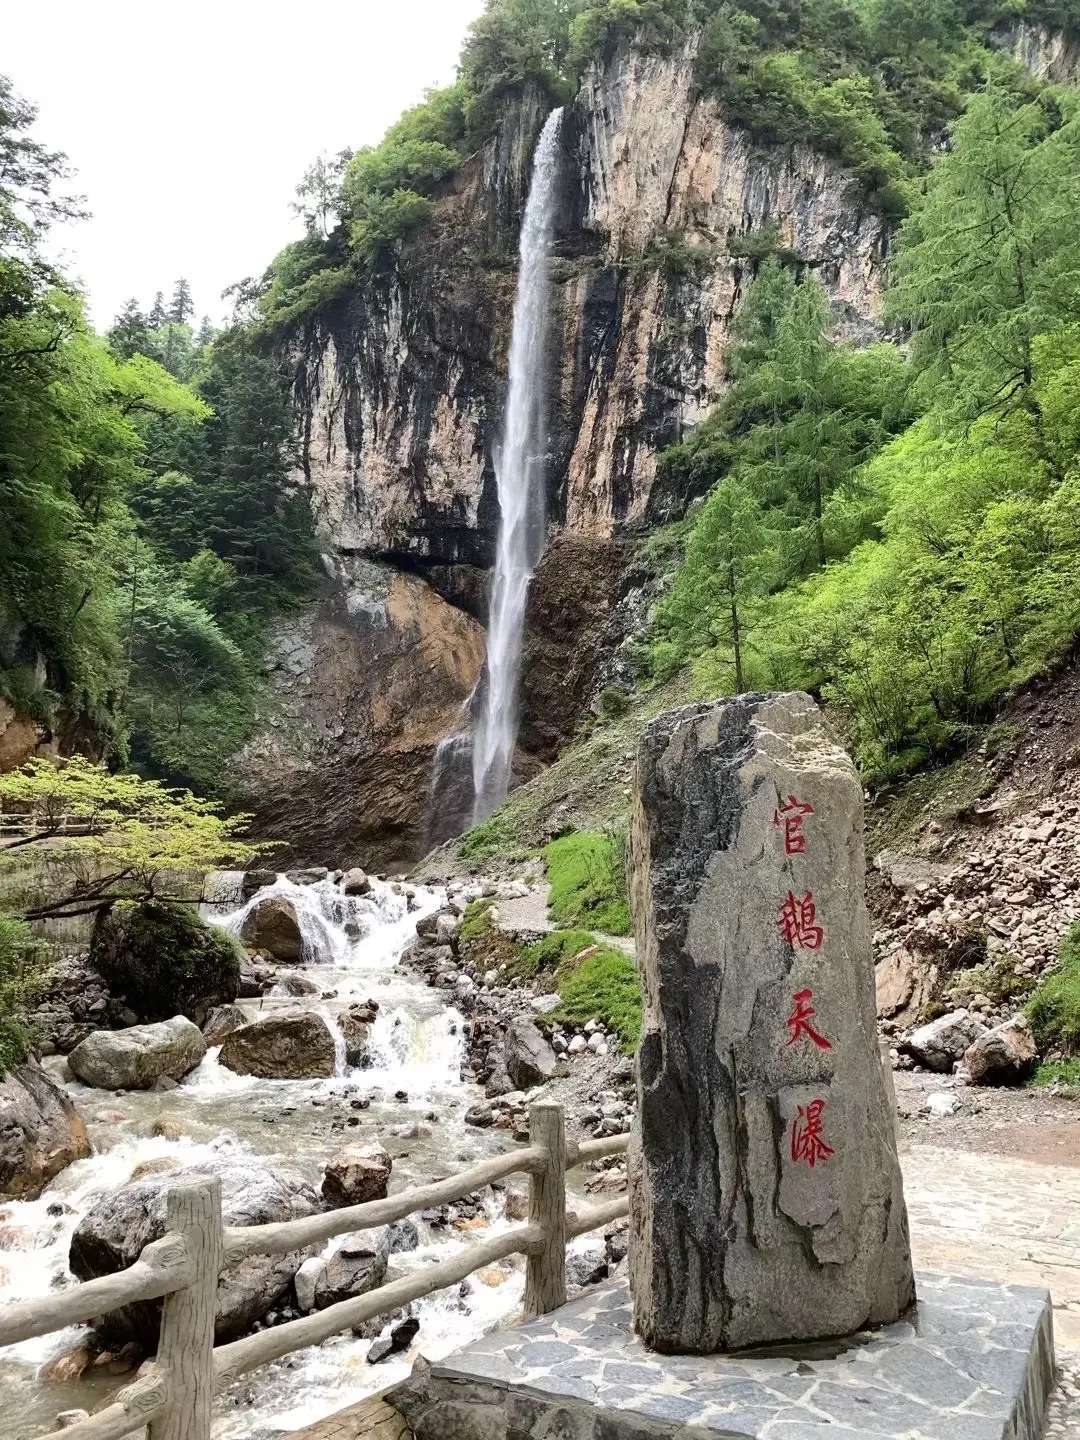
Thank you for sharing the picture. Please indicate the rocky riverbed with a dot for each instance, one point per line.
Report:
(397, 1091)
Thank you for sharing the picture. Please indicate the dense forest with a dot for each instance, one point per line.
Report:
(894, 527)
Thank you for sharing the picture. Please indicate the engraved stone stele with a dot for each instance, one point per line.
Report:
(765, 1193)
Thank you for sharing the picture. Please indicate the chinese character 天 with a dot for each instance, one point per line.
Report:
(799, 1021)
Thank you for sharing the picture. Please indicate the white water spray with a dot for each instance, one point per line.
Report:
(519, 471)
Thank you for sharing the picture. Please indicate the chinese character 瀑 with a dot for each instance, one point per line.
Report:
(798, 1022)
(807, 1141)
(795, 922)
(792, 816)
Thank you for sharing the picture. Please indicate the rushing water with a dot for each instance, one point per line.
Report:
(352, 947)
(519, 471)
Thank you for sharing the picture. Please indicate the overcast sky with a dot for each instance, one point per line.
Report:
(190, 125)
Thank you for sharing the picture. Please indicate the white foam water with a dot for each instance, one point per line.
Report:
(519, 472)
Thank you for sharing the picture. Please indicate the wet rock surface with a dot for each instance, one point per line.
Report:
(140, 1057)
(281, 1047)
(356, 1174)
(118, 1228)
(41, 1132)
(272, 925)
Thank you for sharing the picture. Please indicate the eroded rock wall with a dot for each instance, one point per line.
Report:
(400, 390)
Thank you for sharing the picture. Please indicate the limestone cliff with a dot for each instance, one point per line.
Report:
(399, 390)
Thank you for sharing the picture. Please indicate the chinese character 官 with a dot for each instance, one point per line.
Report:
(807, 1141)
(798, 1022)
(795, 922)
(791, 816)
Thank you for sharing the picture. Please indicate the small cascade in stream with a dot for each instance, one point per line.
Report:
(519, 471)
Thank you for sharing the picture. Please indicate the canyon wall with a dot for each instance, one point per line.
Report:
(399, 391)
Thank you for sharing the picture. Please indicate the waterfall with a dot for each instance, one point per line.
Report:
(519, 471)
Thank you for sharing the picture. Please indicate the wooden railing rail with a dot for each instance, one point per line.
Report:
(174, 1396)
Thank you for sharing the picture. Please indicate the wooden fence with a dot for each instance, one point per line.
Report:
(175, 1395)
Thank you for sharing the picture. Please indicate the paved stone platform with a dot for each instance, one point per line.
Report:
(975, 1363)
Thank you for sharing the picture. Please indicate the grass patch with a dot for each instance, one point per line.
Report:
(1054, 1009)
(476, 921)
(588, 880)
(604, 987)
(1065, 1073)
(490, 838)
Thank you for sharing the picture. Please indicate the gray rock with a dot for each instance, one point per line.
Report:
(587, 1261)
(273, 925)
(137, 1058)
(114, 1232)
(291, 982)
(941, 1043)
(397, 1342)
(311, 876)
(1006, 1055)
(355, 882)
(766, 1196)
(530, 1060)
(41, 1132)
(256, 880)
(222, 1022)
(357, 1266)
(304, 1282)
(282, 1047)
(355, 1025)
(356, 1174)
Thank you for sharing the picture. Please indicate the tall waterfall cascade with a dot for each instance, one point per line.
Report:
(519, 472)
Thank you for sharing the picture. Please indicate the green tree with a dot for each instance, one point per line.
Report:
(130, 332)
(990, 259)
(181, 307)
(106, 837)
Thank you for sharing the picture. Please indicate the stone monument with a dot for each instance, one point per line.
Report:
(765, 1193)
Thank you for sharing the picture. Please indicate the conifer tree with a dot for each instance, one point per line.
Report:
(158, 314)
(182, 307)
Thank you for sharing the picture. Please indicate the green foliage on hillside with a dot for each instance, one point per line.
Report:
(898, 530)
(164, 959)
(148, 525)
(870, 83)
(588, 881)
(1054, 1009)
(605, 987)
(23, 974)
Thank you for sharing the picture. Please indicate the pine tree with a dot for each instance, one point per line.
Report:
(206, 333)
(182, 307)
(130, 334)
(158, 314)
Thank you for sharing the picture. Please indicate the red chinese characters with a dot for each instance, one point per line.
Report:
(798, 1022)
(796, 921)
(791, 816)
(808, 1144)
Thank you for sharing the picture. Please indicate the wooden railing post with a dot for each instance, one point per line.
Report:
(186, 1348)
(545, 1278)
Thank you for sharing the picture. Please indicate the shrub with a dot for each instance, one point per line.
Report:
(22, 978)
(1054, 1009)
(587, 881)
(165, 960)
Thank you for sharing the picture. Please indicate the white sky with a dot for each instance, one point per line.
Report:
(189, 125)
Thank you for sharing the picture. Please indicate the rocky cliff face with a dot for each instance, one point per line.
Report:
(400, 391)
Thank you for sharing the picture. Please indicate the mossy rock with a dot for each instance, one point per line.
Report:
(165, 960)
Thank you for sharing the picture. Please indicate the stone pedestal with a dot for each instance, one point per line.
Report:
(766, 1198)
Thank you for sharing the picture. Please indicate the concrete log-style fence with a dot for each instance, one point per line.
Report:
(174, 1397)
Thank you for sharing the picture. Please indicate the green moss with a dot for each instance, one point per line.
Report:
(476, 921)
(490, 838)
(604, 987)
(165, 960)
(1054, 1009)
(588, 881)
(997, 980)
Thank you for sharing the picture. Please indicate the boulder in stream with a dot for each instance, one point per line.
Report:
(355, 882)
(291, 982)
(355, 1025)
(41, 1132)
(137, 1058)
(114, 1233)
(222, 1022)
(356, 1174)
(165, 960)
(282, 1047)
(357, 1266)
(274, 926)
